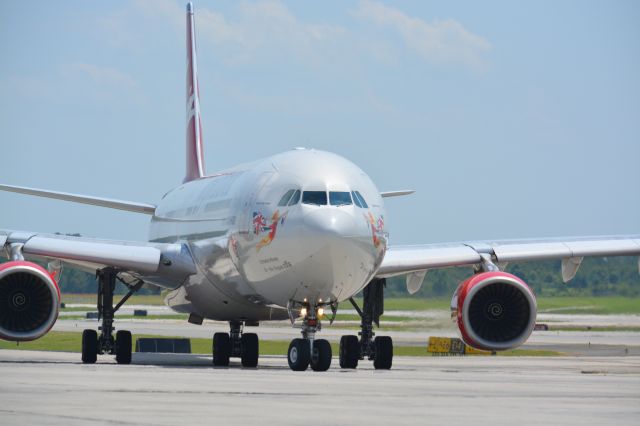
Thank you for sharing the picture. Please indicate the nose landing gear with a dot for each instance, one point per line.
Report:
(309, 351)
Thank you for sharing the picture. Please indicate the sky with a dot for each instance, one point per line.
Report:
(509, 119)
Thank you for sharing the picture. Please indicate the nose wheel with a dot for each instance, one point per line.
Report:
(299, 355)
(309, 351)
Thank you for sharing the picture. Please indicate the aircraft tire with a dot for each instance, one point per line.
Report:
(250, 350)
(349, 352)
(123, 347)
(299, 354)
(321, 359)
(221, 349)
(384, 353)
(89, 346)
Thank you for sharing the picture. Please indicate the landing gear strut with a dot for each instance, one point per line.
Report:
(121, 346)
(309, 351)
(235, 344)
(378, 349)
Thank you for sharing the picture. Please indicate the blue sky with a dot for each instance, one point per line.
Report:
(509, 119)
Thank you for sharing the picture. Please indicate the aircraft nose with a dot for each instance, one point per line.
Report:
(331, 223)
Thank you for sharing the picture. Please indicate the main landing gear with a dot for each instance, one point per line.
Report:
(309, 351)
(380, 349)
(121, 346)
(235, 344)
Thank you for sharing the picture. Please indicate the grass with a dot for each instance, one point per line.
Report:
(175, 316)
(605, 328)
(589, 305)
(564, 305)
(154, 299)
(71, 342)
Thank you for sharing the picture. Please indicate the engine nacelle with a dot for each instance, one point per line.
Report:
(29, 301)
(495, 311)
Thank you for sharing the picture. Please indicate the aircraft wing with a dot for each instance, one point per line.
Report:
(415, 260)
(167, 265)
(130, 206)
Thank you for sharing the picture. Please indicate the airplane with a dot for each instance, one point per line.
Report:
(291, 237)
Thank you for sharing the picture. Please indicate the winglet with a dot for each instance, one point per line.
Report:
(195, 152)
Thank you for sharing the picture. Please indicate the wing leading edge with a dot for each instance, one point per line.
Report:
(414, 261)
(129, 206)
(166, 265)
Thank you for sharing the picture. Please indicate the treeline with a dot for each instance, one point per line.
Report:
(76, 281)
(608, 276)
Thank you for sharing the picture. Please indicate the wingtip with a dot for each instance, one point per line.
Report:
(190, 7)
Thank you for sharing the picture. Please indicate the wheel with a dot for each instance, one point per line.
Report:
(250, 349)
(221, 349)
(349, 351)
(321, 358)
(89, 346)
(384, 352)
(123, 347)
(299, 354)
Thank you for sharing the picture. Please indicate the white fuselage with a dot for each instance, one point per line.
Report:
(256, 252)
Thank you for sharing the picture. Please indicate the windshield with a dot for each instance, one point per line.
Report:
(318, 198)
(339, 198)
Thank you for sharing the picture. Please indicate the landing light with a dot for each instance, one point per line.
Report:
(303, 312)
(320, 312)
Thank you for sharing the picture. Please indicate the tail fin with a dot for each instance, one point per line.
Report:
(195, 153)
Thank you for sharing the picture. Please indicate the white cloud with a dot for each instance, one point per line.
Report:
(102, 75)
(268, 30)
(267, 25)
(438, 41)
(252, 30)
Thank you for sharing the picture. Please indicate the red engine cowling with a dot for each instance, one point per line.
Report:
(29, 301)
(495, 311)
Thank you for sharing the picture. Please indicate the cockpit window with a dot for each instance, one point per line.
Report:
(358, 199)
(286, 197)
(318, 198)
(295, 198)
(339, 198)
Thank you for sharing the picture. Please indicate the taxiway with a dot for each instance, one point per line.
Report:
(55, 388)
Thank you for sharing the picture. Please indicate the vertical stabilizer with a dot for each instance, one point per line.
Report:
(195, 153)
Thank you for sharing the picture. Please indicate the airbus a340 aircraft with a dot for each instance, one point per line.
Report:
(287, 237)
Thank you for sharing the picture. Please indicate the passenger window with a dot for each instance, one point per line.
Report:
(295, 198)
(285, 198)
(361, 199)
(356, 200)
(339, 198)
(318, 198)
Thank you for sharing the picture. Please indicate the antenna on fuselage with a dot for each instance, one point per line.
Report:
(195, 151)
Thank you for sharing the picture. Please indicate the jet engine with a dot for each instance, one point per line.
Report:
(29, 301)
(494, 310)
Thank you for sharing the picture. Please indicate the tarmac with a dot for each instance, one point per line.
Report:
(168, 389)
(582, 343)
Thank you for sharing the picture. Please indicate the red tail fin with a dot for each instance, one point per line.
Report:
(195, 153)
